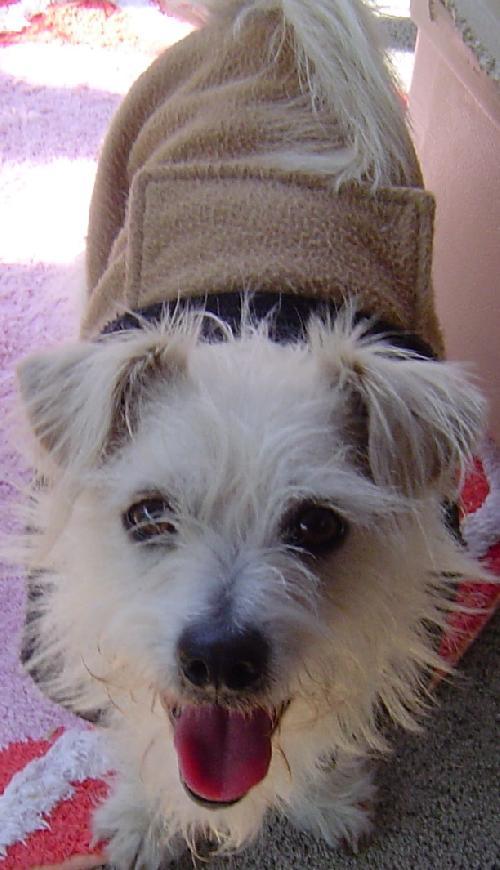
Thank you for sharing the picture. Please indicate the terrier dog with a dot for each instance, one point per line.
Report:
(239, 557)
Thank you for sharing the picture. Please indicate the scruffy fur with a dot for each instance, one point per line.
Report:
(236, 433)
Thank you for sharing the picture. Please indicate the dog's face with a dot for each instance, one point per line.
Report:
(250, 531)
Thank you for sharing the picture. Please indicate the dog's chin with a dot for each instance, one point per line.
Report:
(222, 752)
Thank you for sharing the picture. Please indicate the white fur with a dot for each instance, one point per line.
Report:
(233, 448)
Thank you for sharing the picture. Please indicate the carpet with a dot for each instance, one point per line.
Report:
(63, 69)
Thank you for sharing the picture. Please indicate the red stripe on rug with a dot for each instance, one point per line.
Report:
(476, 489)
(68, 833)
(17, 755)
(464, 628)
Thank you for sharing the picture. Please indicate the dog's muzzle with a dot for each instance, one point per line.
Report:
(223, 750)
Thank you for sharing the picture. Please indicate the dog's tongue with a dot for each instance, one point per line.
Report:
(222, 754)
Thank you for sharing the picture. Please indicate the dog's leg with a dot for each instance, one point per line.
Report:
(339, 807)
(136, 837)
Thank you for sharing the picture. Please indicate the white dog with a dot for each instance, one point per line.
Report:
(238, 551)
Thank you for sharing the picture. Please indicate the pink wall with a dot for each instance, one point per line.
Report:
(455, 110)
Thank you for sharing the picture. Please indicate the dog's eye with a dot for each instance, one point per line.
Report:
(149, 518)
(315, 529)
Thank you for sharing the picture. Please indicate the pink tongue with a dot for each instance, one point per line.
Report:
(222, 754)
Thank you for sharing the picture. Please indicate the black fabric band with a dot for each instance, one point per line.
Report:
(287, 315)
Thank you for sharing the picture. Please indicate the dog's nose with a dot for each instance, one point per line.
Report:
(219, 656)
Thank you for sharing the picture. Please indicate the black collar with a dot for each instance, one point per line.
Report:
(287, 315)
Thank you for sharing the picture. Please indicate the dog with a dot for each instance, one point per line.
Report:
(238, 555)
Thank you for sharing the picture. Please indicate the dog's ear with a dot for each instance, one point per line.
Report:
(83, 400)
(417, 420)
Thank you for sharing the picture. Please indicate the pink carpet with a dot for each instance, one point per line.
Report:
(63, 69)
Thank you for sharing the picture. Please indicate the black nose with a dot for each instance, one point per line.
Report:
(217, 655)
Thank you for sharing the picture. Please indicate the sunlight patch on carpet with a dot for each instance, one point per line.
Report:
(43, 210)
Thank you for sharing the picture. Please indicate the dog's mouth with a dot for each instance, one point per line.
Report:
(222, 753)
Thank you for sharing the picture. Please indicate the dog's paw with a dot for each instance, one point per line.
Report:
(359, 829)
(131, 840)
(347, 825)
(125, 839)
(340, 807)
(353, 805)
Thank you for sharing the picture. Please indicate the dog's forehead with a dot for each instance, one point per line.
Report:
(249, 404)
(260, 380)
